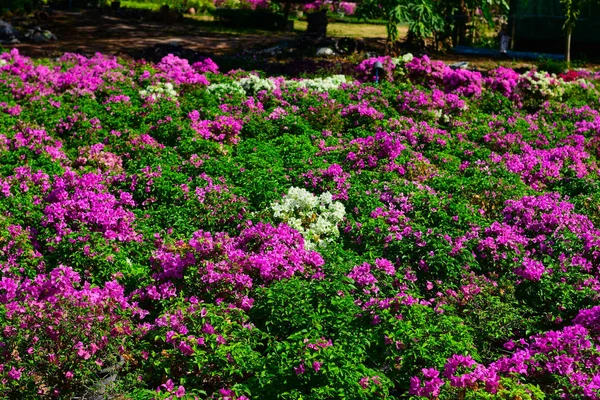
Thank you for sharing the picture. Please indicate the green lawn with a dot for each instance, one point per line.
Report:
(140, 4)
(339, 29)
(334, 29)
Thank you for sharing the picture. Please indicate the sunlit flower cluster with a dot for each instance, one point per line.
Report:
(159, 91)
(253, 84)
(315, 217)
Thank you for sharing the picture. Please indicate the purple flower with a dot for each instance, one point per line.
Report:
(364, 382)
(300, 369)
(15, 374)
(316, 366)
(180, 392)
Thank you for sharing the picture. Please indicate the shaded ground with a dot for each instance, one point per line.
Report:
(88, 33)
(95, 31)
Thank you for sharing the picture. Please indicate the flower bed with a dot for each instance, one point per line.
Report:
(172, 231)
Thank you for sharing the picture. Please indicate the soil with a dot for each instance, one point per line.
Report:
(102, 31)
(91, 32)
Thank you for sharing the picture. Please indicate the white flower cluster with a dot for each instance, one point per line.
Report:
(439, 115)
(158, 91)
(3, 63)
(315, 217)
(582, 83)
(408, 57)
(400, 62)
(319, 84)
(222, 89)
(543, 84)
(254, 84)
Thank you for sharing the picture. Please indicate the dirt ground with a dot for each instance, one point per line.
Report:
(93, 31)
(88, 33)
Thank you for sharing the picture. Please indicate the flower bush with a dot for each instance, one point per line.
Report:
(365, 70)
(178, 230)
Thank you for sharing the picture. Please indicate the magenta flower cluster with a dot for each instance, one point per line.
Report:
(229, 267)
(366, 73)
(73, 201)
(223, 128)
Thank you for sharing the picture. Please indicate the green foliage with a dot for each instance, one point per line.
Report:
(552, 66)
(425, 18)
(222, 343)
(572, 9)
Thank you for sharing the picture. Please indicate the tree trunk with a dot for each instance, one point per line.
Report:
(568, 51)
(286, 13)
(317, 24)
(391, 37)
(512, 21)
(387, 44)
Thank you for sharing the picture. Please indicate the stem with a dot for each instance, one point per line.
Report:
(568, 51)
(392, 36)
(387, 39)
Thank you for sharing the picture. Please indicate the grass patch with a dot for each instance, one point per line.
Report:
(339, 29)
(140, 5)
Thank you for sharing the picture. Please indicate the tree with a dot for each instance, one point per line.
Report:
(287, 6)
(464, 11)
(425, 17)
(572, 10)
(422, 16)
